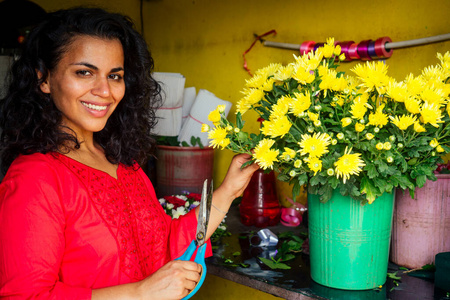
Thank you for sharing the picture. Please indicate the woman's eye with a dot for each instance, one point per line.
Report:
(115, 77)
(83, 72)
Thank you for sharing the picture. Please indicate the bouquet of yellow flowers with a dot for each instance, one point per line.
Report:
(364, 134)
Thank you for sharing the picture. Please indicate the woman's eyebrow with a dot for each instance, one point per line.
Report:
(91, 66)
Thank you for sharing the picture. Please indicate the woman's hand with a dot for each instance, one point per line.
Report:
(237, 178)
(172, 281)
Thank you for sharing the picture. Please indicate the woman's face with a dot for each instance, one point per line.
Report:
(87, 84)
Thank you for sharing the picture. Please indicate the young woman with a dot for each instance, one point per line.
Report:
(78, 217)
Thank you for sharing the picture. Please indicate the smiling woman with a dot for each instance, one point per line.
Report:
(79, 219)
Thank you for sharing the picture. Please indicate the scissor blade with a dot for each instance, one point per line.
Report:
(203, 215)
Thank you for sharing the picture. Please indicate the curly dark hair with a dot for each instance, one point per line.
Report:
(31, 122)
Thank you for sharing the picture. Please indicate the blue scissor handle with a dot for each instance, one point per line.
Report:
(200, 259)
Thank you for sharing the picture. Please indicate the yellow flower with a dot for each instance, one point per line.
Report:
(412, 105)
(359, 108)
(378, 118)
(389, 159)
(372, 75)
(346, 121)
(342, 57)
(439, 148)
(301, 102)
(434, 143)
(315, 145)
(314, 164)
(268, 85)
(280, 127)
(312, 116)
(379, 146)
(229, 128)
(348, 164)
(214, 116)
(280, 109)
(255, 82)
(252, 97)
(269, 70)
(205, 128)
(288, 154)
(284, 73)
(337, 50)
(433, 96)
(387, 146)
(303, 75)
(218, 137)
(264, 155)
(403, 122)
(398, 91)
(220, 108)
(328, 48)
(418, 127)
(414, 85)
(369, 136)
(340, 136)
(359, 127)
(430, 113)
(330, 172)
(298, 163)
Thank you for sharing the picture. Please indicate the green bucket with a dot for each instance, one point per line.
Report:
(349, 242)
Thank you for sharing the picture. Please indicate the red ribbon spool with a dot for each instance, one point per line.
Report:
(380, 47)
(345, 46)
(362, 50)
(353, 52)
(306, 47)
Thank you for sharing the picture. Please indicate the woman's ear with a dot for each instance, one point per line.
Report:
(45, 85)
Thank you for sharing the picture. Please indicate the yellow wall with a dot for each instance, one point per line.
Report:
(205, 40)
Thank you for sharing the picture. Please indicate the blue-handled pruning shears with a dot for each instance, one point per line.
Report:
(199, 242)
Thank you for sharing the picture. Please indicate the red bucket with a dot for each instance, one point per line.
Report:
(182, 169)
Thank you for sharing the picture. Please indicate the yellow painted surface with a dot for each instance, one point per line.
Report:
(204, 40)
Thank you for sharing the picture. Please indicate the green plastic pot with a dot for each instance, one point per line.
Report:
(349, 242)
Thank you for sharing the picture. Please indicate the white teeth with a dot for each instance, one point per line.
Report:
(94, 107)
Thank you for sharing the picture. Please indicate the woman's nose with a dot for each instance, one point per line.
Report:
(101, 88)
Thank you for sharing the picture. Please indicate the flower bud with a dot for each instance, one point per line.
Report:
(221, 108)
(310, 129)
(346, 121)
(359, 127)
(376, 130)
(379, 146)
(342, 57)
(434, 143)
(340, 135)
(205, 128)
(439, 148)
(330, 172)
(236, 130)
(317, 123)
(369, 136)
(229, 128)
(387, 146)
(333, 142)
(292, 173)
(400, 145)
(318, 107)
(433, 153)
(362, 121)
(389, 159)
(392, 138)
(298, 163)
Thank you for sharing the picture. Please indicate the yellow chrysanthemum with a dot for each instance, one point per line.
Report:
(328, 48)
(413, 105)
(432, 72)
(359, 127)
(440, 149)
(430, 113)
(373, 75)
(288, 154)
(269, 70)
(418, 127)
(378, 118)
(403, 122)
(255, 82)
(284, 73)
(281, 108)
(218, 137)
(434, 143)
(264, 155)
(445, 63)
(214, 116)
(252, 97)
(303, 75)
(301, 102)
(314, 164)
(433, 96)
(337, 51)
(313, 116)
(278, 127)
(346, 121)
(397, 91)
(348, 164)
(359, 108)
(315, 145)
(414, 85)
(205, 128)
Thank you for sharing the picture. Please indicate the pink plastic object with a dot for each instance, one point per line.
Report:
(292, 216)
(259, 206)
(421, 226)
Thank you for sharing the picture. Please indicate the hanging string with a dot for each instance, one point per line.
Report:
(258, 38)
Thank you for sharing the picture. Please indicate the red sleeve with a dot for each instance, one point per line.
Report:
(32, 234)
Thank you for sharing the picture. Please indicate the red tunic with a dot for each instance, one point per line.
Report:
(66, 228)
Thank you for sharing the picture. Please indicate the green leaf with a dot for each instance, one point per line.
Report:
(371, 170)
(273, 264)
(420, 180)
(239, 121)
(393, 276)
(283, 177)
(368, 189)
(237, 253)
